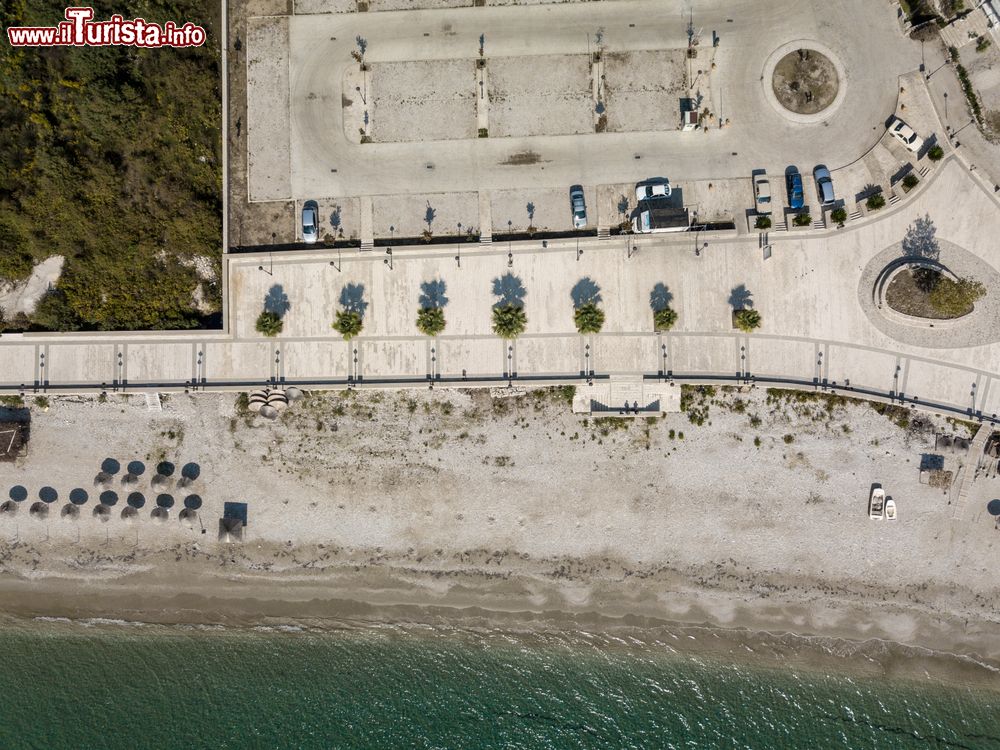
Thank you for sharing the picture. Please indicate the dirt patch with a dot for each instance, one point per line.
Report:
(805, 82)
(909, 293)
(521, 159)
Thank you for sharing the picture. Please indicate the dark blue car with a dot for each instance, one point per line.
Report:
(793, 181)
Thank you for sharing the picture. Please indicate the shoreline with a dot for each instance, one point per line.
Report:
(751, 638)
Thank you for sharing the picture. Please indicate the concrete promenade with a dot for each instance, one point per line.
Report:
(815, 330)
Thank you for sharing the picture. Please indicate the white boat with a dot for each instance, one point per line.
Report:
(890, 510)
(876, 503)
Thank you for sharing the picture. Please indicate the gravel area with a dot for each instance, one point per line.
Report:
(522, 102)
(268, 149)
(643, 89)
(549, 210)
(407, 214)
(428, 100)
(978, 328)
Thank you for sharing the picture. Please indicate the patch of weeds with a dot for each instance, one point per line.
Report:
(42, 402)
(502, 461)
(898, 415)
(755, 420)
(757, 441)
(788, 439)
(14, 402)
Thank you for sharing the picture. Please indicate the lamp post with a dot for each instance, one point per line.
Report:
(388, 261)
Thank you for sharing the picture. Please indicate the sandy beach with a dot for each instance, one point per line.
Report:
(464, 508)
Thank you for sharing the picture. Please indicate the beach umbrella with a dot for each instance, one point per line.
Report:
(18, 493)
(48, 495)
(294, 394)
(165, 469)
(268, 411)
(136, 468)
(78, 496)
(103, 512)
(39, 509)
(110, 466)
(109, 498)
(278, 401)
(191, 471)
(160, 514)
(136, 500)
(164, 501)
(71, 511)
(256, 405)
(193, 502)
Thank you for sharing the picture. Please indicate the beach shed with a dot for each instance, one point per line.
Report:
(233, 522)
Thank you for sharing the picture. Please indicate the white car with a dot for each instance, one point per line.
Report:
(905, 135)
(310, 222)
(762, 192)
(645, 191)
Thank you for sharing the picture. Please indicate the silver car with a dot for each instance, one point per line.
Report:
(579, 206)
(310, 222)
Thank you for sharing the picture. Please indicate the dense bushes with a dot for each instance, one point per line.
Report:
(112, 159)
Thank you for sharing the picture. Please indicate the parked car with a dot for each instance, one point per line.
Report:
(793, 185)
(905, 135)
(761, 192)
(658, 188)
(579, 206)
(824, 185)
(310, 222)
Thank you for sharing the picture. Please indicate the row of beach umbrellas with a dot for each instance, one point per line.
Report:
(270, 403)
(78, 497)
(134, 471)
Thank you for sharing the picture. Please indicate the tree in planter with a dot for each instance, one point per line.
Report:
(956, 297)
(839, 215)
(664, 320)
(589, 318)
(269, 323)
(348, 323)
(802, 220)
(763, 222)
(935, 153)
(875, 202)
(910, 181)
(509, 321)
(747, 320)
(430, 320)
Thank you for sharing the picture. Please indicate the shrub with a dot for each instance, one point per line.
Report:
(763, 222)
(269, 323)
(664, 320)
(982, 44)
(839, 215)
(348, 323)
(910, 181)
(509, 321)
(430, 320)
(589, 318)
(802, 220)
(970, 93)
(934, 153)
(788, 439)
(956, 297)
(875, 202)
(747, 320)
(484, 133)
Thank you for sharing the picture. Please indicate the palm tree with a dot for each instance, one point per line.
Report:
(589, 318)
(509, 321)
(269, 323)
(348, 323)
(664, 319)
(747, 320)
(430, 320)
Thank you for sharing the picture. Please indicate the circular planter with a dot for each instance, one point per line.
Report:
(767, 81)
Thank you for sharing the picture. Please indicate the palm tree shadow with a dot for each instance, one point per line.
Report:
(432, 294)
(660, 298)
(352, 299)
(585, 292)
(509, 290)
(741, 298)
(276, 301)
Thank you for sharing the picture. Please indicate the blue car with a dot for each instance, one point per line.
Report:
(793, 181)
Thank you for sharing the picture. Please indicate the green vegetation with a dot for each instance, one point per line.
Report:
(112, 159)
(763, 222)
(788, 439)
(509, 321)
(430, 320)
(746, 320)
(589, 318)
(970, 93)
(348, 323)
(982, 44)
(911, 181)
(839, 215)
(802, 220)
(695, 400)
(955, 298)
(875, 202)
(664, 320)
(269, 323)
(934, 153)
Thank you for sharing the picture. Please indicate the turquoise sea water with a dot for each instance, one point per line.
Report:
(156, 687)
